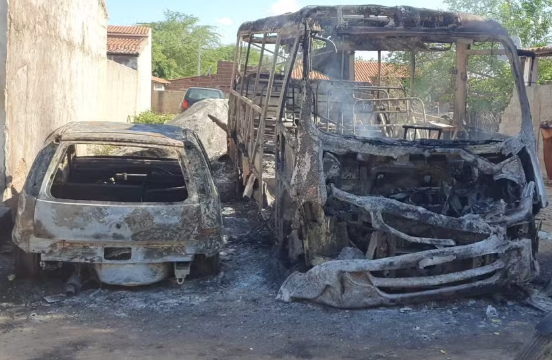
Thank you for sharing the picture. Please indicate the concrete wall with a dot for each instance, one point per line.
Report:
(541, 111)
(121, 92)
(144, 81)
(3, 57)
(142, 64)
(128, 60)
(55, 73)
(167, 102)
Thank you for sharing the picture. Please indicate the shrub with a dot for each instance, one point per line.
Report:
(149, 117)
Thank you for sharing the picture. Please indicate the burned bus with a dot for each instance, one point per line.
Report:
(396, 148)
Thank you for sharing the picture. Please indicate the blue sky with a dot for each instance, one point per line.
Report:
(227, 15)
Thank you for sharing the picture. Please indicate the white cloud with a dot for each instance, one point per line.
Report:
(284, 6)
(225, 21)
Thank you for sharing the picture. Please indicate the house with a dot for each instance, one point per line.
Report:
(158, 84)
(164, 101)
(131, 46)
(365, 71)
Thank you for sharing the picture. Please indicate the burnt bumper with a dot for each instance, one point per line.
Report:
(357, 283)
(350, 283)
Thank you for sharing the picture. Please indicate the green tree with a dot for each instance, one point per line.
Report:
(531, 20)
(176, 42)
(490, 81)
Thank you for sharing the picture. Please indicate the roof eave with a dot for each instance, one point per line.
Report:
(135, 54)
(116, 34)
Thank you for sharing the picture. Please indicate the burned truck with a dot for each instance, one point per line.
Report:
(379, 137)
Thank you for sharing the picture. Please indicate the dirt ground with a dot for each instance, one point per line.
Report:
(235, 316)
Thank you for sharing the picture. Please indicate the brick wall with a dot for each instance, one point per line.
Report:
(222, 80)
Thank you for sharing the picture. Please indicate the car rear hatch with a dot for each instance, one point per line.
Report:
(161, 223)
(132, 196)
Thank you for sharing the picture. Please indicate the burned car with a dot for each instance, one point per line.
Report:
(396, 180)
(134, 203)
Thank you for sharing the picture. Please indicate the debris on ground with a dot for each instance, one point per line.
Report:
(539, 300)
(197, 119)
(350, 253)
(225, 177)
(491, 312)
(52, 299)
(545, 236)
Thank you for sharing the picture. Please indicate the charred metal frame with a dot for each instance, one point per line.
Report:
(158, 234)
(314, 215)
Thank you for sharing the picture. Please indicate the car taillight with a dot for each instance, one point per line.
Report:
(185, 104)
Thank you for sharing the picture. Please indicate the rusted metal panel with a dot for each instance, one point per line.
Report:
(87, 252)
(89, 222)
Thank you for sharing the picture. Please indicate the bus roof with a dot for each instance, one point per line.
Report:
(377, 17)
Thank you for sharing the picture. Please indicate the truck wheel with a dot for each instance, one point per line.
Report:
(205, 265)
(27, 265)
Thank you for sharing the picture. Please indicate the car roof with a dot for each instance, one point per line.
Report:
(105, 131)
(202, 88)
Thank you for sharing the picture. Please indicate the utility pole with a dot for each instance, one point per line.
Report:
(199, 60)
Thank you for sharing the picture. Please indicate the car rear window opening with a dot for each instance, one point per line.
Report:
(197, 94)
(119, 174)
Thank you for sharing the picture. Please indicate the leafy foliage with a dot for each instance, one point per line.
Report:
(179, 39)
(490, 81)
(149, 117)
(176, 42)
(531, 20)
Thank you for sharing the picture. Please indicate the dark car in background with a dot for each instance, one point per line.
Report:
(196, 94)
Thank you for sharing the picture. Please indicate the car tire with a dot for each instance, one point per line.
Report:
(27, 265)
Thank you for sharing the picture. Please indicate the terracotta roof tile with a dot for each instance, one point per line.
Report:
(155, 79)
(128, 30)
(124, 45)
(365, 71)
(541, 50)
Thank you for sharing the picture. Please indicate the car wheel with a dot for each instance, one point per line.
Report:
(27, 265)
